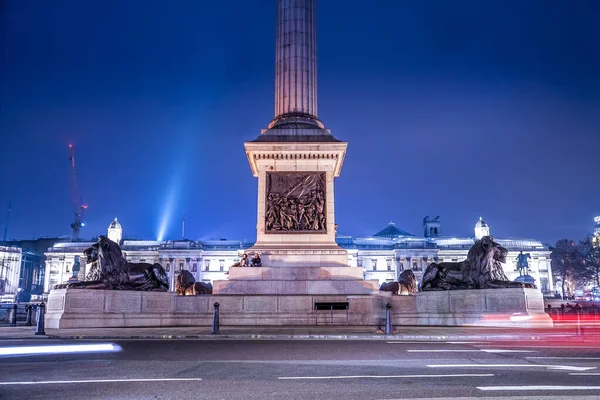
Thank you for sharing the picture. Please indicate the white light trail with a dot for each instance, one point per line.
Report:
(382, 376)
(469, 350)
(558, 367)
(541, 387)
(566, 358)
(584, 373)
(59, 349)
(101, 381)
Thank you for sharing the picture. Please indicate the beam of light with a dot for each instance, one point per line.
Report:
(102, 381)
(167, 212)
(59, 349)
(173, 190)
(172, 199)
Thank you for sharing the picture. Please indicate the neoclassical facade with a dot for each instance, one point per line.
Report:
(382, 256)
(10, 269)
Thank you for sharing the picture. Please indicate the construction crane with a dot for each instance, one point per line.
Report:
(78, 207)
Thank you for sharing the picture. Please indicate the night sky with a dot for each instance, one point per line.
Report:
(460, 109)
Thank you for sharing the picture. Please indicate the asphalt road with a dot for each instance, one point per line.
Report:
(319, 369)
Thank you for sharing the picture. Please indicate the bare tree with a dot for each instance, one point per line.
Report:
(567, 262)
(591, 261)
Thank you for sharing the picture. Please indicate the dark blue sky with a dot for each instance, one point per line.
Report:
(458, 109)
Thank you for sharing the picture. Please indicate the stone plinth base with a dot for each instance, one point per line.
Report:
(490, 307)
(295, 273)
(300, 256)
(296, 281)
(289, 287)
(78, 308)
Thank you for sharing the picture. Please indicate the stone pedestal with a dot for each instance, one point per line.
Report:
(295, 281)
(79, 308)
(489, 307)
(275, 160)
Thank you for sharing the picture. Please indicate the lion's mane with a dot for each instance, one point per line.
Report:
(184, 280)
(108, 263)
(186, 285)
(409, 281)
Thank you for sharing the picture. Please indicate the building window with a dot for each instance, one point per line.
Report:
(206, 265)
(359, 262)
(142, 260)
(221, 265)
(68, 268)
(180, 267)
(400, 266)
(374, 264)
(194, 267)
(544, 285)
(415, 266)
(168, 267)
(389, 264)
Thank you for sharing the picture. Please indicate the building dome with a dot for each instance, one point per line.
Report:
(115, 231)
(481, 229)
(480, 224)
(115, 225)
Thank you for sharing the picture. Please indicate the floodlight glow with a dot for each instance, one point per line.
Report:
(169, 206)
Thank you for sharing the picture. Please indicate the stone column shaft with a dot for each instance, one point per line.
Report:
(296, 55)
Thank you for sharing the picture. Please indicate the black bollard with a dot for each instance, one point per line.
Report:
(215, 322)
(388, 319)
(13, 321)
(40, 319)
(29, 310)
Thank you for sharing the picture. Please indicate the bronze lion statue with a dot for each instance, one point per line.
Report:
(481, 270)
(406, 285)
(111, 271)
(186, 285)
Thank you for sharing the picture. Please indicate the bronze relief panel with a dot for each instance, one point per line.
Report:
(295, 202)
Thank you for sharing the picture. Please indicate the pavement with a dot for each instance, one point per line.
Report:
(335, 332)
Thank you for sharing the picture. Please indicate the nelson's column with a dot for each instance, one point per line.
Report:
(296, 158)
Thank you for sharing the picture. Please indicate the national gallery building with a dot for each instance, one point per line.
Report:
(382, 256)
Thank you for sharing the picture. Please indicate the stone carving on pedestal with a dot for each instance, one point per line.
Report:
(110, 270)
(295, 202)
(406, 285)
(186, 285)
(481, 270)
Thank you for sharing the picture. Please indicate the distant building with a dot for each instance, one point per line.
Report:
(10, 270)
(382, 256)
(31, 279)
(115, 231)
(596, 234)
(32, 268)
(481, 229)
